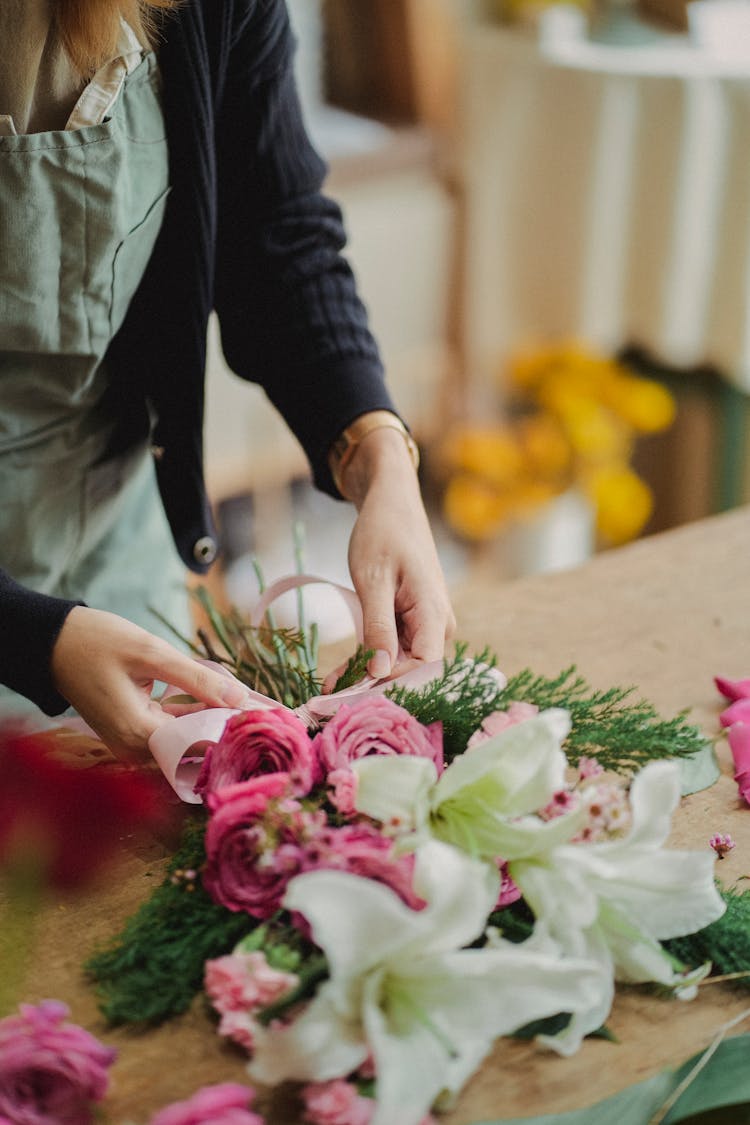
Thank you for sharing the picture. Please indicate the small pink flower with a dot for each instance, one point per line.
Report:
(241, 1028)
(50, 1071)
(245, 982)
(499, 721)
(588, 767)
(564, 801)
(733, 689)
(509, 891)
(225, 1104)
(337, 1102)
(361, 850)
(342, 792)
(260, 742)
(376, 725)
(721, 843)
(608, 813)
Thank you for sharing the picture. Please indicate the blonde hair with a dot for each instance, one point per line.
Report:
(89, 29)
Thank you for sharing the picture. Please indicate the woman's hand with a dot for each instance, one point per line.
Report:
(106, 667)
(392, 557)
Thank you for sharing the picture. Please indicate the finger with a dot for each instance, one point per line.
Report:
(379, 628)
(195, 678)
(425, 637)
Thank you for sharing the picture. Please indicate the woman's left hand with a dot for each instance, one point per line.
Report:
(392, 557)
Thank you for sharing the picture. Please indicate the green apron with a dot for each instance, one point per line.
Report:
(79, 214)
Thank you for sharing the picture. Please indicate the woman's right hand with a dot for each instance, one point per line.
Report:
(106, 668)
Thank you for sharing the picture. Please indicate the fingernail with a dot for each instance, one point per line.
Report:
(380, 665)
(234, 695)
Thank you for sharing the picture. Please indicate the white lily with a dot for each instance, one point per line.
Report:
(613, 902)
(403, 989)
(482, 801)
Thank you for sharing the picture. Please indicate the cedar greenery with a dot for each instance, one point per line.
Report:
(154, 968)
(725, 943)
(622, 733)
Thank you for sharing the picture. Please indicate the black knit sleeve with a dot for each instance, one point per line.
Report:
(287, 301)
(31, 624)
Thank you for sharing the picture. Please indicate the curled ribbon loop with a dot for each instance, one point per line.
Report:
(179, 745)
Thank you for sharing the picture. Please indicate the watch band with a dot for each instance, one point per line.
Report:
(345, 446)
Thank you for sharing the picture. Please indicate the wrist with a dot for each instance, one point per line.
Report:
(374, 444)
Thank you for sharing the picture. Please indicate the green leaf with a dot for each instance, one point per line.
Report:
(723, 1080)
(699, 771)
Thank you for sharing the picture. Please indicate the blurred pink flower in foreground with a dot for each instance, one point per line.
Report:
(225, 1104)
(51, 1071)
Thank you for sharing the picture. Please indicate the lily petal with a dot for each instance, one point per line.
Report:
(395, 789)
(524, 763)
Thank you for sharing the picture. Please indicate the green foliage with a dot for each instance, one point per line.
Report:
(154, 968)
(621, 733)
(356, 668)
(725, 943)
(465, 694)
(280, 663)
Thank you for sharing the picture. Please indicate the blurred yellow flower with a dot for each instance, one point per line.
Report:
(646, 405)
(622, 500)
(492, 453)
(572, 418)
(474, 508)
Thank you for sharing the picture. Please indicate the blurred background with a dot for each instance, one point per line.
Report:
(548, 209)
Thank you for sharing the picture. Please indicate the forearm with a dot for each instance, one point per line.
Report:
(31, 626)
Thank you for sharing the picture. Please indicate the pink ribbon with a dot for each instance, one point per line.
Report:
(179, 745)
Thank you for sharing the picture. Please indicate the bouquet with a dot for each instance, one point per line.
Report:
(382, 881)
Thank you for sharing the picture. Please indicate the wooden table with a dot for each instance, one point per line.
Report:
(665, 614)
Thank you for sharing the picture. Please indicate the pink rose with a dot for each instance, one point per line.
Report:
(499, 721)
(376, 725)
(225, 1104)
(245, 982)
(238, 840)
(260, 742)
(50, 1071)
(337, 1102)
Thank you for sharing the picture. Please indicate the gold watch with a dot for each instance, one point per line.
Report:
(345, 445)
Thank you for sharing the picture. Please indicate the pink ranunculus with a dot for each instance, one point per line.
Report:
(249, 821)
(337, 1102)
(51, 1071)
(376, 725)
(225, 1104)
(245, 982)
(499, 721)
(260, 742)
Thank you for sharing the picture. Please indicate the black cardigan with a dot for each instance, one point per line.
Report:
(246, 232)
